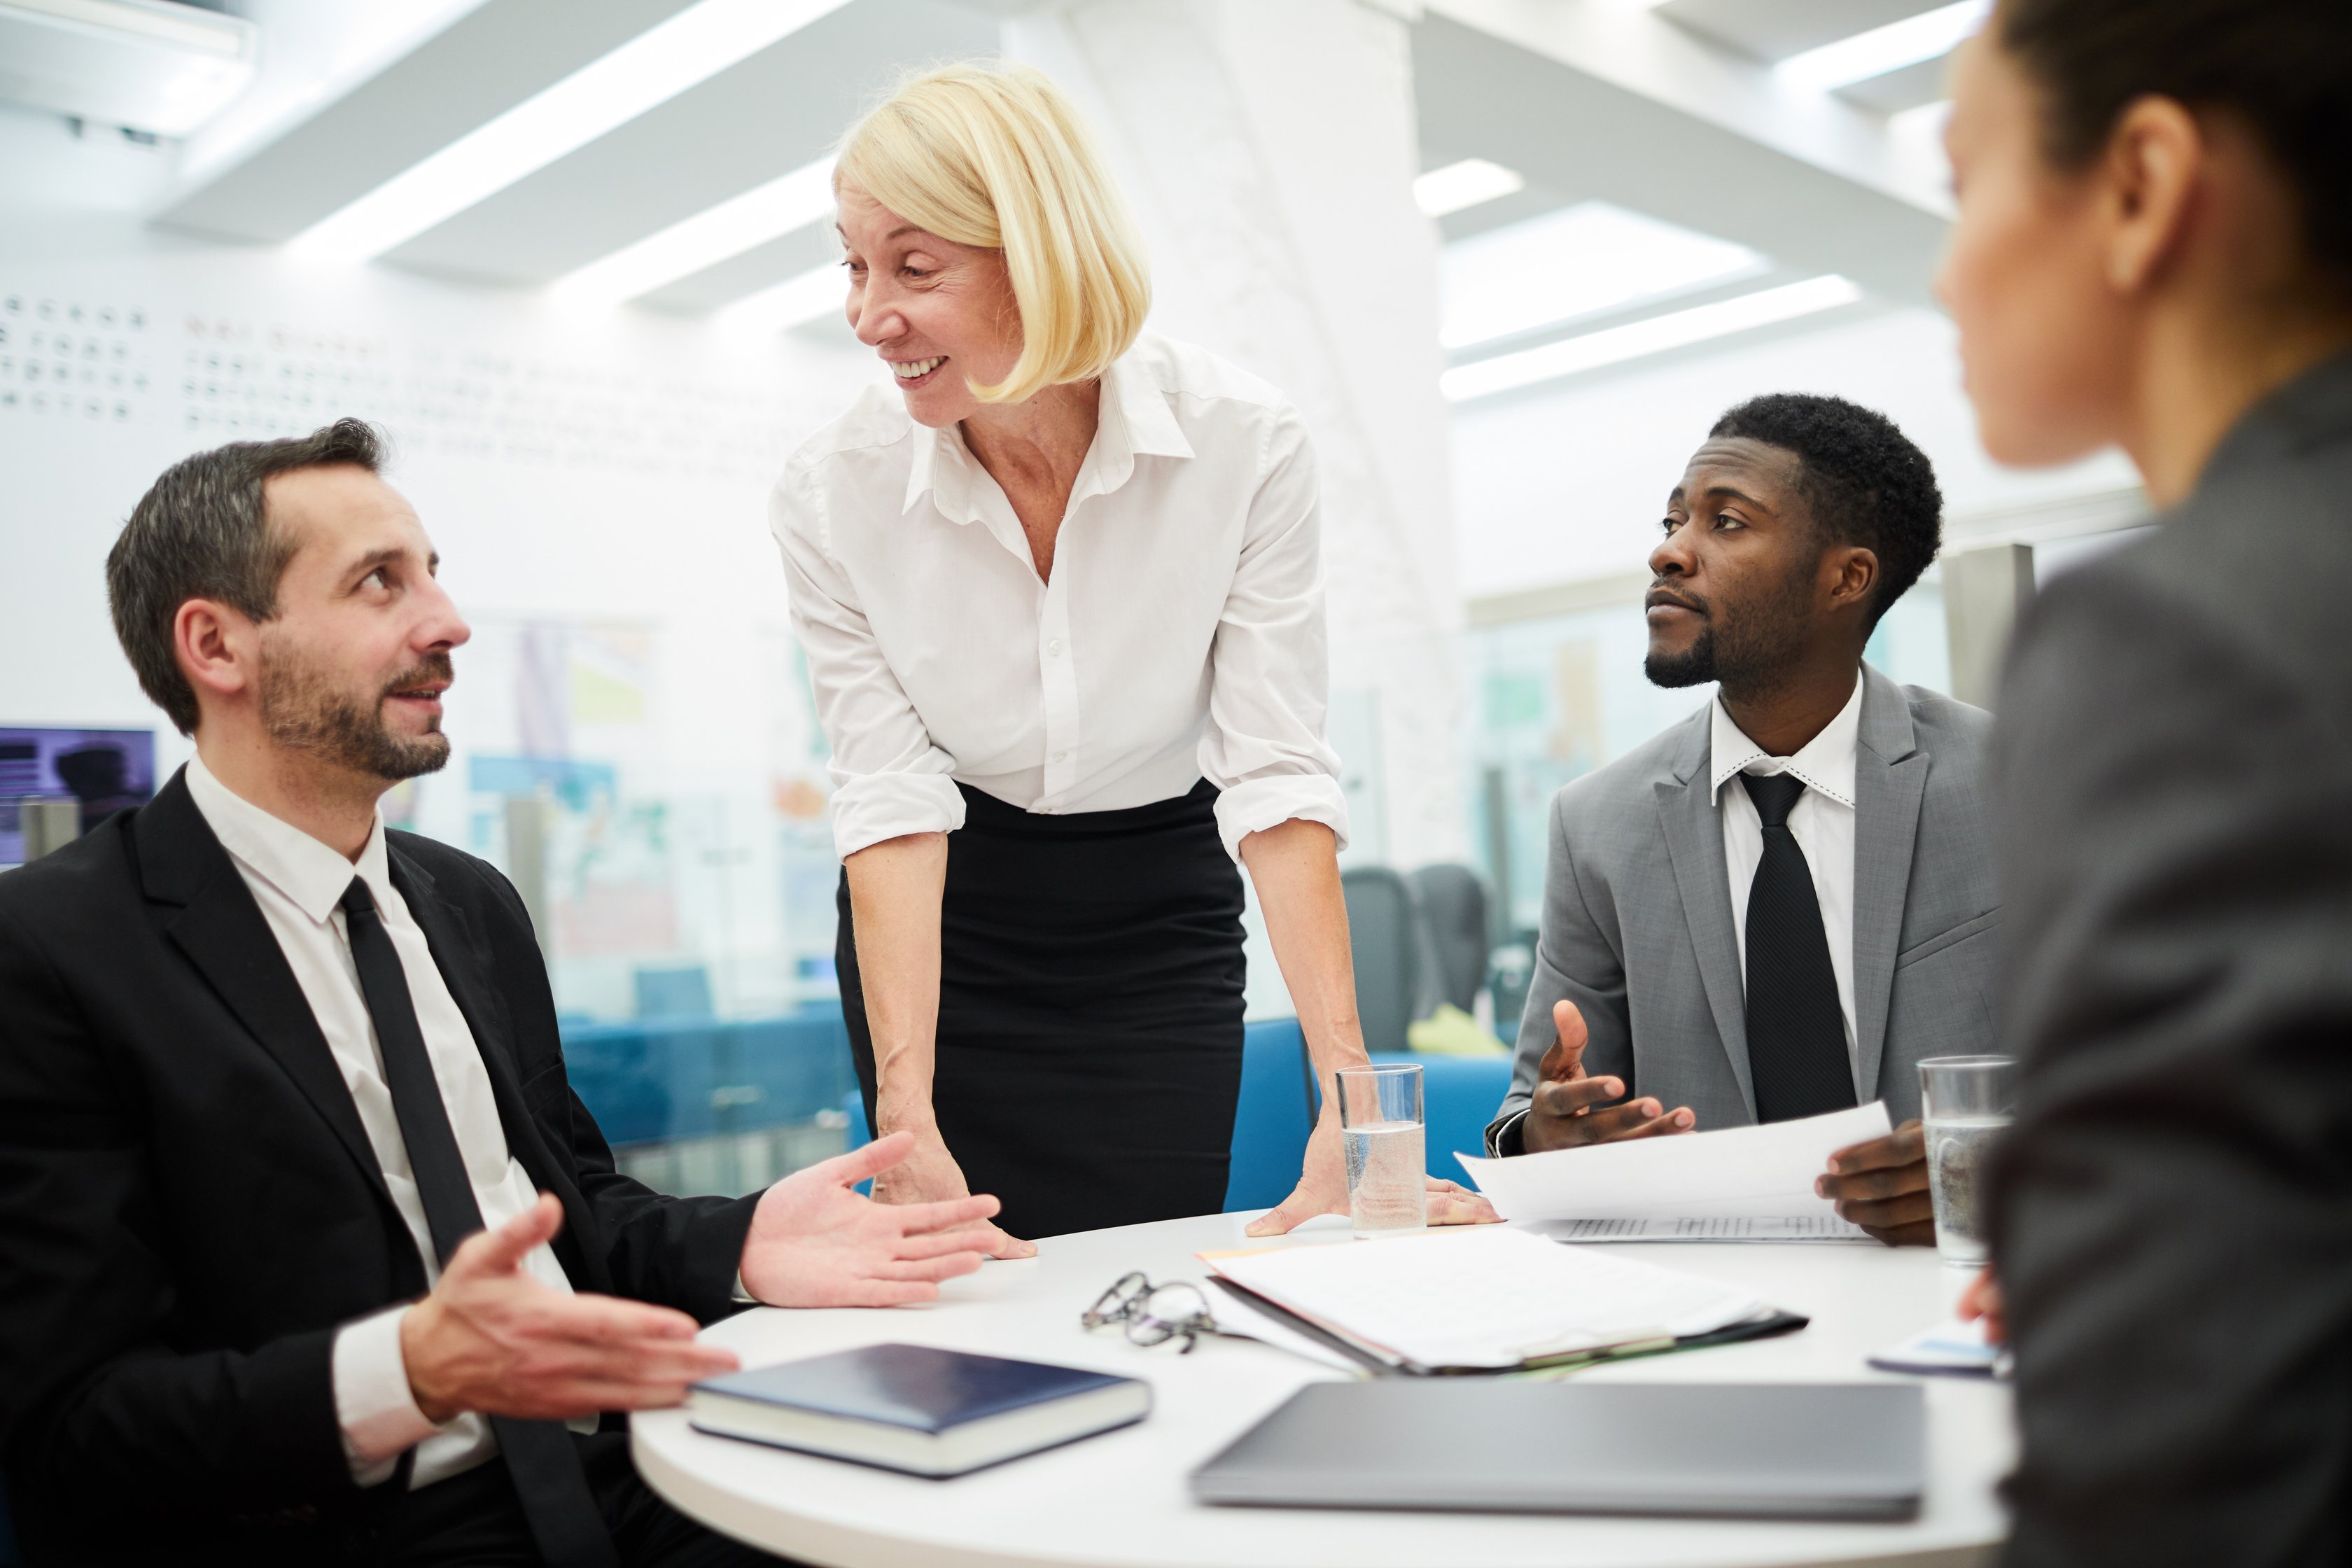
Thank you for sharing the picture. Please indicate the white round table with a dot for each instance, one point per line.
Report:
(1119, 1501)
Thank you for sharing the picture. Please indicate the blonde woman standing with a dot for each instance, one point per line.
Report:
(1062, 599)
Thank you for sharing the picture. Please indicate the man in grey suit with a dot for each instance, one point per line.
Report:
(1778, 907)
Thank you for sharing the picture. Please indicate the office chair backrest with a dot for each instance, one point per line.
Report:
(1394, 978)
(1455, 901)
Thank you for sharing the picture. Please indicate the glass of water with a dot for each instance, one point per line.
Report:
(1966, 1102)
(1380, 1124)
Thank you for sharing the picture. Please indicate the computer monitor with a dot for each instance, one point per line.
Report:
(105, 770)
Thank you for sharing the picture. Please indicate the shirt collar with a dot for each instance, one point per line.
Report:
(1826, 762)
(311, 875)
(1134, 420)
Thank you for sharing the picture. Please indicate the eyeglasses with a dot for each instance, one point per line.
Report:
(1154, 1314)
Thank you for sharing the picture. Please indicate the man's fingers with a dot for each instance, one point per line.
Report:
(948, 1267)
(949, 1214)
(1576, 1095)
(868, 1159)
(1878, 1181)
(1565, 1058)
(1903, 1146)
(1888, 1214)
(1918, 1233)
(935, 1244)
(502, 1250)
(1665, 1126)
(607, 1319)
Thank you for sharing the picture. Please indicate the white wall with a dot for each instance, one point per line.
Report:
(1566, 484)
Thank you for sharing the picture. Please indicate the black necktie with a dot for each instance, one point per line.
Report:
(1796, 1031)
(548, 1479)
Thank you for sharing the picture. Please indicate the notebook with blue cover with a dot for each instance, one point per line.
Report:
(915, 1408)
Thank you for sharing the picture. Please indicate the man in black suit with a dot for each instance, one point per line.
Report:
(308, 1251)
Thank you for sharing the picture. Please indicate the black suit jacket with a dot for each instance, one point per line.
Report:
(2174, 1211)
(189, 1207)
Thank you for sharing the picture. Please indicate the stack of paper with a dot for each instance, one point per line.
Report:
(1744, 1184)
(1486, 1299)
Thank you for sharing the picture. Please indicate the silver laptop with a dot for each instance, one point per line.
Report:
(1762, 1450)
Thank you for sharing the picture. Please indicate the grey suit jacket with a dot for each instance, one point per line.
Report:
(1637, 916)
(2173, 1212)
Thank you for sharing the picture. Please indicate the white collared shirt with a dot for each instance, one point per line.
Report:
(298, 882)
(1182, 636)
(1821, 822)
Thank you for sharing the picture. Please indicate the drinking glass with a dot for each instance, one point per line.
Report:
(1381, 1126)
(1966, 1102)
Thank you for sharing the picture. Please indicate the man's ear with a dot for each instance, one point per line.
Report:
(218, 647)
(1856, 576)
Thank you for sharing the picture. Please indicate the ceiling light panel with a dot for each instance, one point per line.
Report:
(650, 70)
(1584, 259)
(167, 70)
(821, 291)
(1915, 39)
(1614, 345)
(743, 223)
(1468, 183)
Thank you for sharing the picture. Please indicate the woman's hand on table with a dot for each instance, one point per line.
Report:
(814, 1242)
(1982, 1299)
(1323, 1189)
(926, 1173)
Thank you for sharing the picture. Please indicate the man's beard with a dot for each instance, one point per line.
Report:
(303, 712)
(1757, 645)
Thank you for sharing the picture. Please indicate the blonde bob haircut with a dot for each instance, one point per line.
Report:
(994, 156)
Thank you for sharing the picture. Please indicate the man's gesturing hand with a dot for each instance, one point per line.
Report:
(815, 1243)
(1882, 1186)
(490, 1338)
(1565, 1110)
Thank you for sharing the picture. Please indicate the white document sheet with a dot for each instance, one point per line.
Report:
(1741, 1172)
(1802, 1227)
(1489, 1297)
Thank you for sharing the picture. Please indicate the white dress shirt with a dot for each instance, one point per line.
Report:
(298, 882)
(1181, 636)
(1821, 822)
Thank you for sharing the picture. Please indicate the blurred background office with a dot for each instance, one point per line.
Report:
(576, 257)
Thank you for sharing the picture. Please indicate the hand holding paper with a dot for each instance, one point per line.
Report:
(1742, 1172)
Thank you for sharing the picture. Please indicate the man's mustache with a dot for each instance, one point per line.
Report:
(1660, 594)
(433, 668)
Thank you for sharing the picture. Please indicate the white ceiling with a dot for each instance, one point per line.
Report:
(1577, 126)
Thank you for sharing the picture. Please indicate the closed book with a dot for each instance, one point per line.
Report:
(915, 1408)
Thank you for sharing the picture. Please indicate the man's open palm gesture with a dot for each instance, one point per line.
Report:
(814, 1242)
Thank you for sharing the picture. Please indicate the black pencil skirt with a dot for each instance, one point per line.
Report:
(1090, 1011)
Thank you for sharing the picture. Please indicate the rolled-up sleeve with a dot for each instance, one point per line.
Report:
(1270, 675)
(890, 779)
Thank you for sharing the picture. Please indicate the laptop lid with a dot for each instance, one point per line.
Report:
(1764, 1450)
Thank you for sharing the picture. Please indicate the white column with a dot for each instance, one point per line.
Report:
(1269, 150)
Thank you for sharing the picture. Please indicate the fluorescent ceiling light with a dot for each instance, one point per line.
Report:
(814, 294)
(648, 70)
(1588, 258)
(1925, 36)
(167, 70)
(1659, 333)
(686, 247)
(1463, 185)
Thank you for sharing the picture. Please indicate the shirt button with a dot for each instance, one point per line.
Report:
(1055, 647)
(1061, 756)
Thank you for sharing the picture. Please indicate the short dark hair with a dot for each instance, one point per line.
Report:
(2284, 67)
(1864, 480)
(202, 531)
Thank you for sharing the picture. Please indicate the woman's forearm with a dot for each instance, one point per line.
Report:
(894, 898)
(1295, 866)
